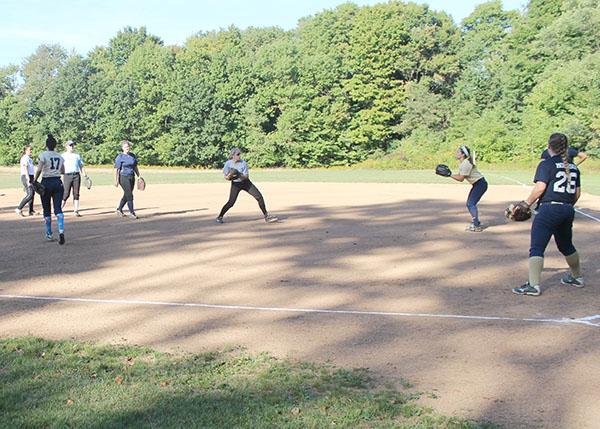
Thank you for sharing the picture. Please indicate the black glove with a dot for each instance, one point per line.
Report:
(443, 170)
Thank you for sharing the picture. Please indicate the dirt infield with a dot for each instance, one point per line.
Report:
(375, 248)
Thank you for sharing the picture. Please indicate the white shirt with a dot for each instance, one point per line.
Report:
(73, 162)
(240, 166)
(51, 163)
(27, 166)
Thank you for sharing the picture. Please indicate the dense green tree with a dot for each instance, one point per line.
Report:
(390, 80)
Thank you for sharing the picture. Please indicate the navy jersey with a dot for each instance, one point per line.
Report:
(560, 188)
(126, 163)
(572, 153)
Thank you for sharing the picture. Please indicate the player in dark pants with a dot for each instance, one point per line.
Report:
(126, 169)
(468, 170)
(557, 189)
(241, 183)
(51, 167)
(27, 172)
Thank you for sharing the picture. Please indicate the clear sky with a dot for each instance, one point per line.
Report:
(80, 25)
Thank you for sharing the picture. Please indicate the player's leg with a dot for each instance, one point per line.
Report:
(234, 191)
(542, 229)
(253, 190)
(29, 193)
(76, 187)
(57, 199)
(477, 190)
(124, 183)
(30, 189)
(129, 184)
(67, 188)
(46, 204)
(564, 241)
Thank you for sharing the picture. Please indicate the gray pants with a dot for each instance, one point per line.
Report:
(30, 193)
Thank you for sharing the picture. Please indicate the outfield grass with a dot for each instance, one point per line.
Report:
(55, 384)
(9, 177)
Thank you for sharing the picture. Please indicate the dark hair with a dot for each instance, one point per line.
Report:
(469, 154)
(51, 142)
(27, 146)
(559, 144)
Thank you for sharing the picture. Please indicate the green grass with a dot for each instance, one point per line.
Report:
(55, 384)
(9, 177)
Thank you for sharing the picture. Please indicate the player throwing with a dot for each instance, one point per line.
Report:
(557, 189)
(236, 170)
(51, 166)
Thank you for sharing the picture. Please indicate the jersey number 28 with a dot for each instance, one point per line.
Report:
(563, 185)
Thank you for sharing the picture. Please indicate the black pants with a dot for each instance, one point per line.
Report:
(52, 195)
(236, 188)
(127, 183)
(30, 193)
(72, 181)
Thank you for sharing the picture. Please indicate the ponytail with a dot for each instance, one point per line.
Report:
(467, 152)
(559, 144)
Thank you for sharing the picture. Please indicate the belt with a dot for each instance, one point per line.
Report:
(556, 202)
(71, 174)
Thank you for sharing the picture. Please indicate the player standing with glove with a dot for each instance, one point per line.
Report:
(27, 172)
(236, 170)
(51, 166)
(557, 188)
(468, 170)
(72, 177)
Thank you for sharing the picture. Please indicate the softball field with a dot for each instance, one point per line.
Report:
(364, 275)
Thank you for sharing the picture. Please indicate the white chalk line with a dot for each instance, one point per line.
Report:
(589, 321)
(529, 187)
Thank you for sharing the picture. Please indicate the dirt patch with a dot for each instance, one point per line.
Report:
(370, 247)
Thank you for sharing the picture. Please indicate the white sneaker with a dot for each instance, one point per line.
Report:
(19, 212)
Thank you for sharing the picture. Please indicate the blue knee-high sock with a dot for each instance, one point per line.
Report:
(48, 221)
(60, 221)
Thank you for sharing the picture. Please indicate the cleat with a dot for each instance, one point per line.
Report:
(270, 219)
(120, 213)
(76, 214)
(19, 212)
(474, 228)
(568, 279)
(132, 216)
(61, 238)
(219, 219)
(527, 289)
(49, 237)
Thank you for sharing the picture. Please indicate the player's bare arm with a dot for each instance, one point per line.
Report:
(536, 192)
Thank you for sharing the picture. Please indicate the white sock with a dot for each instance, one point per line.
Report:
(76, 205)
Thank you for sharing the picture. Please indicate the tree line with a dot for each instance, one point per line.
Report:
(345, 85)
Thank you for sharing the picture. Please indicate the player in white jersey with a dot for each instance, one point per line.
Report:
(72, 178)
(51, 166)
(27, 171)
